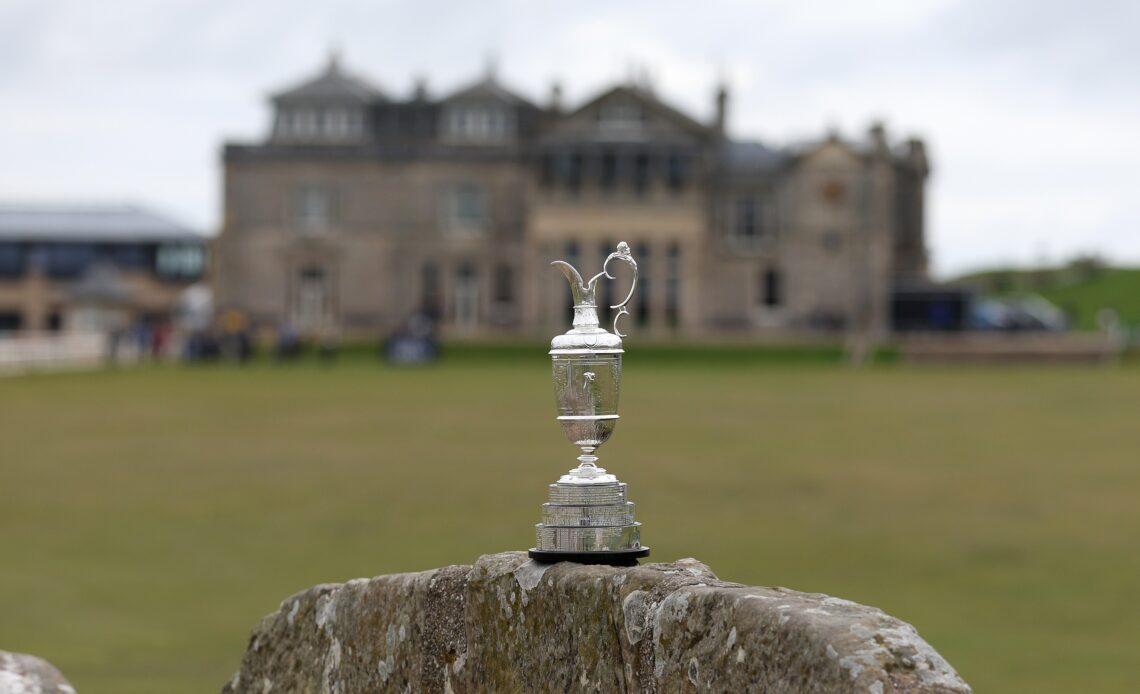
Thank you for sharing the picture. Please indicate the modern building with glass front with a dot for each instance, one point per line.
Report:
(92, 267)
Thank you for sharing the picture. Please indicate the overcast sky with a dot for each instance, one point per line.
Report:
(1030, 108)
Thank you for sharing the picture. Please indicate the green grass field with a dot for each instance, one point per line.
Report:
(150, 517)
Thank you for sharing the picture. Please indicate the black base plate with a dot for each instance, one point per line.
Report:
(627, 557)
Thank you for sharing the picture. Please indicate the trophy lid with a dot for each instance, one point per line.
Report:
(587, 334)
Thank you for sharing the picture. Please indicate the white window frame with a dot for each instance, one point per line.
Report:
(456, 219)
(312, 208)
(479, 123)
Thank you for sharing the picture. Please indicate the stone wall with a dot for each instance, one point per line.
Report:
(510, 624)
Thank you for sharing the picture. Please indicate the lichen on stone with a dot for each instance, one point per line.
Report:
(510, 624)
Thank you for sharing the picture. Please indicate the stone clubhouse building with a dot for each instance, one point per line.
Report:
(360, 209)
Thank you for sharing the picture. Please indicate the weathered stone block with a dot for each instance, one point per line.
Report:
(509, 624)
(27, 674)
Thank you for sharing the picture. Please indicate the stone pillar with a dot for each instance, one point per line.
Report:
(37, 300)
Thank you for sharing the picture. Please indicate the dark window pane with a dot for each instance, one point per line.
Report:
(771, 288)
(12, 260)
(504, 284)
(69, 259)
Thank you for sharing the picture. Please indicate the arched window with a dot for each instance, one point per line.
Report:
(673, 284)
(771, 289)
(641, 298)
(504, 285)
(466, 296)
(429, 290)
(310, 299)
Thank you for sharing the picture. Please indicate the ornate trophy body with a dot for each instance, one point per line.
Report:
(588, 518)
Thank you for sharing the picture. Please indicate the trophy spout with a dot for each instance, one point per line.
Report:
(582, 293)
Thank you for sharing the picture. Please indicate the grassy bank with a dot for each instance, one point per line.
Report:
(1080, 294)
(150, 517)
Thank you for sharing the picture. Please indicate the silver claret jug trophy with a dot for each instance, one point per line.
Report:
(588, 517)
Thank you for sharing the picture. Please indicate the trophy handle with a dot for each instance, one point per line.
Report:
(625, 256)
(583, 291)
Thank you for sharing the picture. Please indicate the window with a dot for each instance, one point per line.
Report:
(641, 297)
(478, 123)
(573, 171)
(12, 260)
(641, 173)
(179, 262)
(342, 123)
(548, 170)
(504, 285)
(304, 123)
(128, 255)
(466, 297)
(619, 116)
(10, 322)
(676, 172)
(748, 220)
(609, 170)
(310, 299)
(673, 284)
(465, 208)
(429, 290)
(284, 126)
(69, 259)
(312, 208)
(770, 288)
(336, 124)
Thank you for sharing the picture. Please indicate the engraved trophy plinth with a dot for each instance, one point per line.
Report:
(587, 517)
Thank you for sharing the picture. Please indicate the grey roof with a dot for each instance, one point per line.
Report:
(650, 100)
(488, 88)
(91, 223)
(333, 84)
(750, 157)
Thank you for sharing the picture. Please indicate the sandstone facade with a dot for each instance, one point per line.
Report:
(360, 209)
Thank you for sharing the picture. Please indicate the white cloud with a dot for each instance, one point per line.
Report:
(1028, 108)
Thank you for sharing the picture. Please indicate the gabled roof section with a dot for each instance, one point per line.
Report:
(333, 84)
(487, 88)
(656, 112)
(90, 223)
(832, 151)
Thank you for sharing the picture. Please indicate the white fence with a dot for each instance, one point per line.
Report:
(52, 352)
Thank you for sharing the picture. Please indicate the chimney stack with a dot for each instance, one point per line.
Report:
(555, 98)
(721, 109)
(420, 90)
(878, 135)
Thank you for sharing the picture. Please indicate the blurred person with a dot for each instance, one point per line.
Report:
(415, 343)
(235, 343)
(288, 344)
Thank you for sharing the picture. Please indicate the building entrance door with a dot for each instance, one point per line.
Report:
(310, 300)
(466, 298)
